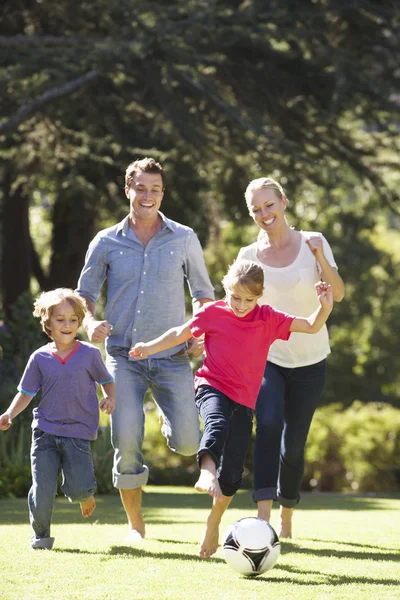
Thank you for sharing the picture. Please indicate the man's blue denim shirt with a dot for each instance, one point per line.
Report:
(145, 286)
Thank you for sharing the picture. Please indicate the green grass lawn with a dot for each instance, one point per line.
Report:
(345, 547)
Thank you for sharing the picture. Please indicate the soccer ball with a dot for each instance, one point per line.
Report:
(251, 546)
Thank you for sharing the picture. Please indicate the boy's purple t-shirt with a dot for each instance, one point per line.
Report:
(69, 406)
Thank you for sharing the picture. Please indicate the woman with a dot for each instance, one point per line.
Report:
(293, 261)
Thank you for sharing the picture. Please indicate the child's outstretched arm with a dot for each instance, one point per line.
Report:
(107, 404)
(314, 322)
(169, 339)
(19, 403)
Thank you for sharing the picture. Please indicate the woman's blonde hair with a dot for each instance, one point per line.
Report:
(45, 304)
(246, 273)
(263, 182)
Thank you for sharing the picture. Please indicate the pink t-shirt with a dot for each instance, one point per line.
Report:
(237, 347)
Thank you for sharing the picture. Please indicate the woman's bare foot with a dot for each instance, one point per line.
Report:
(134, 537)
(264, 510)
(208, 482)
(88, 506)
(286, 515)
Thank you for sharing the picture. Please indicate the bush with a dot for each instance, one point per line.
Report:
(357, 449)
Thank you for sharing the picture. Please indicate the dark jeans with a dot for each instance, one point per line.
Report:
(226, 435)
(284, 411)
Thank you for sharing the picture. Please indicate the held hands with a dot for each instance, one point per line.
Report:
(325, 295)
(97, 331)
(107, 405)
(196, 346)
(5, 422)
(139, 351)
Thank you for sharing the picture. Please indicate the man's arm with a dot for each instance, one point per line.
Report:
(97, 331)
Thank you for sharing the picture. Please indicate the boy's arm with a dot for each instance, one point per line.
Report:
(107, 404)
(169, 339)
(19, 403)
(314, 322)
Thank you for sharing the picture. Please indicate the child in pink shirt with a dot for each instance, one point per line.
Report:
(238, 333)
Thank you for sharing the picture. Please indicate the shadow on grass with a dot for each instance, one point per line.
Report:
(109, 509)
(318, 578)
(378, 554)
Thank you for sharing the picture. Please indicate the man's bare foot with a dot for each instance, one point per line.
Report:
(88, 506)
(208, 482)
(209, 544)
(286, 515)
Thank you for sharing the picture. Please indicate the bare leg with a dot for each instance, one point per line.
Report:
(286, 515)
(88, 506)
(132, 503)
(264, 509)
(208, 482)
(210, 541)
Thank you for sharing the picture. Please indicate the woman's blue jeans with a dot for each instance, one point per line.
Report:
(51, 455)
(285, 407)
(226, 436)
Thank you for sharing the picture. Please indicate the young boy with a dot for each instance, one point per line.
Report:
(238, 333)
(67, 416)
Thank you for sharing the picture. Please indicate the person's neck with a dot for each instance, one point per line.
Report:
(280, 238)
(63, 349)
(145, 230)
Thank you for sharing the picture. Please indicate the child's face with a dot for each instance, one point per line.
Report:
(63, 324)
(240, 301)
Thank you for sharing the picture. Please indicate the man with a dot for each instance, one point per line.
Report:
(145, 259)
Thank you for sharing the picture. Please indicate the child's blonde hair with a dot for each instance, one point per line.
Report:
(246, 273)
(45, 304)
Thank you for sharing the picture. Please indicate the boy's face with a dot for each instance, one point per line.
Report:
(240, 301)
(63, 324)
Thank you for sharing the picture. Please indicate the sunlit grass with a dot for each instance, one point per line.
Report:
(345, 547)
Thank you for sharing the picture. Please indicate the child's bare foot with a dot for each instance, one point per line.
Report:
(134, 536)
(208, 482)
(88, 506)
(209, 544)
(286, 515)
(264, 510)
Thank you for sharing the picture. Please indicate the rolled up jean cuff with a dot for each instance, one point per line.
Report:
(288, 502)
(265, 494)
(131, 481)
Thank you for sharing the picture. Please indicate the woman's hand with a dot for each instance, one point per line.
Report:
(316, 246)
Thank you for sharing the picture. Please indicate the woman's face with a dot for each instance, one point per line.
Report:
(267, 208)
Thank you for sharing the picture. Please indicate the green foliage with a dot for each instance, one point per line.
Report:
(357, 449)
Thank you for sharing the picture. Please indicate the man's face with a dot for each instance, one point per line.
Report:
(145, 195)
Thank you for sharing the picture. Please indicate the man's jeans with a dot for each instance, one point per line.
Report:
(284, 411)
(226, 437)
(171, 383)
(51, 455)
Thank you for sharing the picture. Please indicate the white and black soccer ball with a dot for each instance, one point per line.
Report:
(251, 546)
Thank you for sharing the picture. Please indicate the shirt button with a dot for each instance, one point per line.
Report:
(142, 292)
(144, 272)
(146, 255)
(121, 252)
(134, 330)
(139, 311)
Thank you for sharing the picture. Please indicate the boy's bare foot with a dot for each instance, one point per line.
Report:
(208, 482)
(209, 544)
(88, 506)
(286, 515)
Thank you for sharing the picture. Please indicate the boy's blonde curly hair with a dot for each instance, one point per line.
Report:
(45, 304)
